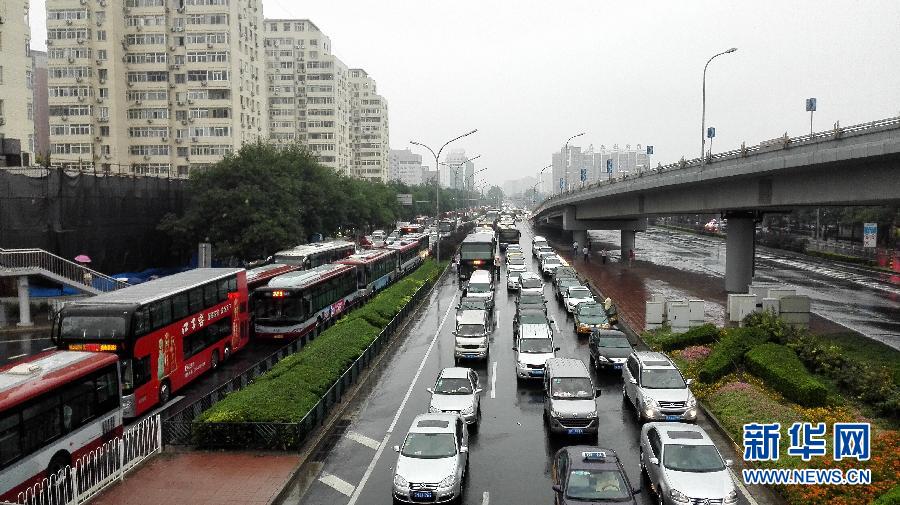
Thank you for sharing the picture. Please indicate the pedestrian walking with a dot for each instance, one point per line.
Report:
(88, 278)
(603, 256)
(585, 251)
(497, 266)
(630, 257)
(574, 249)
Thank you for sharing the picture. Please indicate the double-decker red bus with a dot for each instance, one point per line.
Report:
(297, 303)
(375, 269)
(167, 332)
(411, 251)
(55, 407)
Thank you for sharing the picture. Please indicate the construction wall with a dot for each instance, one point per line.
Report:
(112, 219)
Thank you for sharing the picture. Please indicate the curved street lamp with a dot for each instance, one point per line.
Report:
(566, 154)
(703, 118)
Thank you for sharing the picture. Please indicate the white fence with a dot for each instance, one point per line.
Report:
(100, 468)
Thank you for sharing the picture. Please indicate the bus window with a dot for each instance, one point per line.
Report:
(180, 308)
(40, 423)
(210, 294)
(160, 313)
(223, 290)
(135, 373)
(78, 404)
(107, 391)
(232, 284)
(141, 321)
(196, 299)
(9, 438)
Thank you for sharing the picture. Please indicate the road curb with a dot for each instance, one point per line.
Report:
(346, 399)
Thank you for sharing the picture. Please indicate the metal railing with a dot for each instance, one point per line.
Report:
(98, 469)
(36, 260)
(744, 151)
(181, 429)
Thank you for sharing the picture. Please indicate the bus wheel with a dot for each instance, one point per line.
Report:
(165, 392)
(214, 360)
(226, 353)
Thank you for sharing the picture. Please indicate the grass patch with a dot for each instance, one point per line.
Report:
(866, 350)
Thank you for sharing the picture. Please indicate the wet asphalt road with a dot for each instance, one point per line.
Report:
(509, 455)
(861, 299)
(18, 344)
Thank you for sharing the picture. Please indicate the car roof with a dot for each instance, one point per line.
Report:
(567, 367)
(529, 310)
(577, 288)
(609, 333)
(455, 372)
(529, 274)
(473, 299)
(682, 433)
(479, 274)
(535, 331)
(652, 359)
(539, 237)
(471, 317)
(577, 458)
(432, 423)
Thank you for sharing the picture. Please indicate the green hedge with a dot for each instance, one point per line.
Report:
(700, 335)
(287, 392)
(892, 497)
(780, 367)
(729, 352)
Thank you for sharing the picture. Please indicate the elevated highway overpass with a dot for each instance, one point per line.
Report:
(855, 165)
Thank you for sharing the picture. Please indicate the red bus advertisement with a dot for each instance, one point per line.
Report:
(302, 302)
(167, 332)
(54, 408)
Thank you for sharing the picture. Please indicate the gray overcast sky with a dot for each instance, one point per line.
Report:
(528, 74)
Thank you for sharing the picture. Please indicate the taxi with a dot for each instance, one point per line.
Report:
(589, 474)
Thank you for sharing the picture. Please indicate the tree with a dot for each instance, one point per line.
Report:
(495, 196)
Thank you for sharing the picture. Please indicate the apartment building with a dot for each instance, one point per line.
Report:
(457, 172)
(405, 166)
(155, 87)
(370, 134)
(16, 76)
(41, 119)
(595, 163)
(309, 92)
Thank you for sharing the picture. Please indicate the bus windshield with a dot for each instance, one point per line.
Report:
(278, 309)
(476, 251)
(93, 327)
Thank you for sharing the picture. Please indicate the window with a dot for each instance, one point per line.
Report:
(205, 337)
(141, 321)
(210, 294)
(180, 307)
(655, 443)
(40, 423)
(77, 404)
(223, 289)
(161, 313)
(101, 35)
(10, 447)
(195, 297)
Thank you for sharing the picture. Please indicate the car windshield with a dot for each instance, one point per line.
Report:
(540, 244)
(470, 330)
(613, 342)
(479, 288)
(531, 282)
(429, 445)
(511, 274)
(662, 378)
(453, 386)
(530, 298)
(469, 304)
(518, 260)
(535, 345)
(692, 458)
(571, 388)
(597, 485)
(532, 317)
(551, 260)
(579, 293)
(591, 309)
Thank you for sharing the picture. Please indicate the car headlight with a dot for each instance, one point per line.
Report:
(447, 481)
(678, 496)
(651, 403)
(468, 410)
(434, 410)
(399, 481)
(582, 326)
(554, 413)
(731, 497)
(603, 358)
(593, 414)
(692, 402)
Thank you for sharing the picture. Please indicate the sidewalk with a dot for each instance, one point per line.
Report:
(205, 478)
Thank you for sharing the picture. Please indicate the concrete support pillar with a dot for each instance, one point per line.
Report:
(739, 252)
(579, 236)
(627, 241)
(24, 303)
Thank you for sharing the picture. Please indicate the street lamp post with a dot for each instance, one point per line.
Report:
(703, 118)
(540, 178)
(566, 155)
(437, 173)
(456, 175)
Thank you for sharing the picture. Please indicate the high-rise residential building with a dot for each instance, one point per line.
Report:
(406, 166)
(370, 139)
(595, 163)
(41, 119)
(456, 171)
(156, 87)
(309, 92)
(16, 76)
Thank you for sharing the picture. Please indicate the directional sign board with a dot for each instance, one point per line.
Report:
(583, 174)
(649, 150)
(870, 234)
(562, 183)
(609, 166)
(404, 198)
(711, 132)
(810, 105)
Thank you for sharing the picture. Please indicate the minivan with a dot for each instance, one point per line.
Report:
(472, 328)
(654, 386)
(570, 406)
(481, 285)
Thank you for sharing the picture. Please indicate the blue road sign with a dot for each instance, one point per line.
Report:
(583, 174)
(711, 132)
(609, 166)
(810, 105)
(561, 183)
(649, 149)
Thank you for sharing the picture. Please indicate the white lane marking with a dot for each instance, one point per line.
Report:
(556, 327)
(48, 348)
(362, 439)
(485, 498)
(23, 340)
(383, 443)
(337, 483)
(743, 489)
(494, 380)
(17, 356)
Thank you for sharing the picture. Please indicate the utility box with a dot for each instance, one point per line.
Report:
(771, 305)
(653, 314)
(697, 312)
(739, 305)
(795, 310)
(781, 292)
(668, 310)
(679, 316)
(761, 290)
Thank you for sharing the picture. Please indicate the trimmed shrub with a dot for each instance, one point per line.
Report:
(700, 335)
(778, 330)
(780, 367)
(729, 352)
(892, 497)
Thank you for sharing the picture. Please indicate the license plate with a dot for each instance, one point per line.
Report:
(422, 495)
(673, 418)
(617, 366)
(576, 431)
(537, 372)
(470, 355)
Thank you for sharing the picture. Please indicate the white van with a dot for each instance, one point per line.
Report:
(481, 285)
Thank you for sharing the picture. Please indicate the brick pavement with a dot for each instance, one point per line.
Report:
(204, 478)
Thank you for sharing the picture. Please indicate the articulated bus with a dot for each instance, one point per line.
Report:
(297, 303)
(312, 255)
(55, 407)
(411, 251)
(167, 332)
(375, 270)
(261, 275)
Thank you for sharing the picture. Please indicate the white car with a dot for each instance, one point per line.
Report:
(533, 348)
(530, 282)
(575, 295)
(433, 460)
(512, 280)
(549, 264)
(656, 389)
(456, 391)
